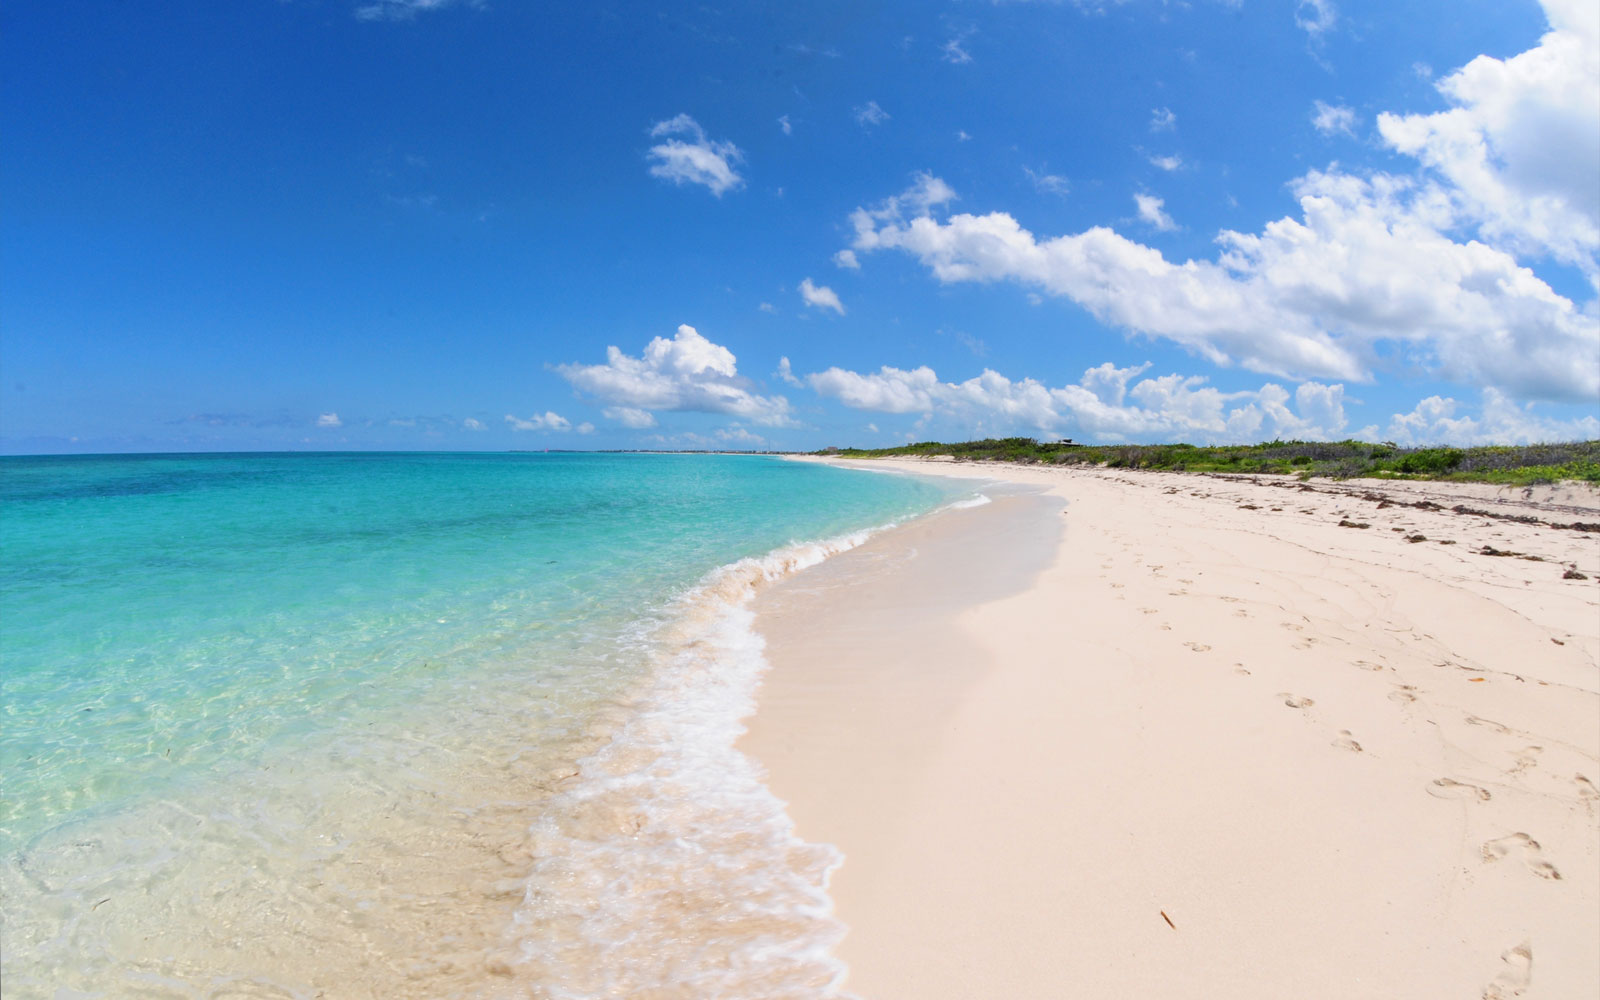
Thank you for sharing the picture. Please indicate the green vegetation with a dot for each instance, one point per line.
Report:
(1512, 465)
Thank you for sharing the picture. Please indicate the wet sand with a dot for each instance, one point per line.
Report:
(1119, 733)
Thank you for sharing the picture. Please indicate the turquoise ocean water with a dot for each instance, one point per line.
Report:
(404, 724)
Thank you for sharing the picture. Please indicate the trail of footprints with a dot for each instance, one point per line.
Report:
(1515, 975)
(1518, 847)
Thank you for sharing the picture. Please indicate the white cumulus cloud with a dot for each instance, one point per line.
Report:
(786, 372)
(1150, 210)
(687, 372)
(474, 424)
(1108, 403)
(689, 157)
(820, 296)
(1163, 120)
(740, 435)
(847, 259)
(1363, 275)
(546, 421)
(628, 416)
(1316, 17)
(1500, 421)
(1047, 182)
(1520, 148)
(1331, 118)
(1167, 163)
(329, 420)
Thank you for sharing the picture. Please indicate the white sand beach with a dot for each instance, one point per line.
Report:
(1148, 734)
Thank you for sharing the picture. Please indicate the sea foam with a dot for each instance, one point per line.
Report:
(667, 868)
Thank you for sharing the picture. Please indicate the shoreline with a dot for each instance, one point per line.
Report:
(1211, 742)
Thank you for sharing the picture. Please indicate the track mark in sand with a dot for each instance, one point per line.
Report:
(1525, 758)
(1294, 700)
(1477, 720)
(1345, 741)
(1232, 600)
(1198, 647)
(1449, 788)
(1368, 665)
(1524, 847)
(1586, 788)
(1513, 980)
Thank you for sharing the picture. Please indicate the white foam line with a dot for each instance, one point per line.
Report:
(669, 837)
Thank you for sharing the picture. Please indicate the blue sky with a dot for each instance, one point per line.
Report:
(345, 224)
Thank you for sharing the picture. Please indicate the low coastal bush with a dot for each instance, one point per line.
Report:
(1505, 464)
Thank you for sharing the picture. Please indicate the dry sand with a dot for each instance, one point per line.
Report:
(1146, 734)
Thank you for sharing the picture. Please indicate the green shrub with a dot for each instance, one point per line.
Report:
(1431, 461)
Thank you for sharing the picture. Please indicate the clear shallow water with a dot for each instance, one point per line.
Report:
(404, 725)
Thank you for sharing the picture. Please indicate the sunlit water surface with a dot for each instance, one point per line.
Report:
(404, 725)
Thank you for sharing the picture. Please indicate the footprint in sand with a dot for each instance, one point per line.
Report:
(1241, 613)
(1346, 742)
(1513, 980)
(1403, 696)
(1449, 788)
(1478, 720)
(1198, 647)
(1148, 611)
(1239, 669)
(1586, 788)
(1525, 758)
(1368, 665)
(1294, 700)
(1524, 847)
